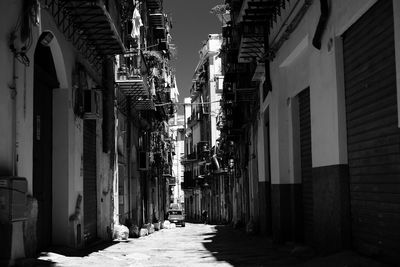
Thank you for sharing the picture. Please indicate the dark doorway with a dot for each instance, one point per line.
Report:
(89, 181)
(45, 80)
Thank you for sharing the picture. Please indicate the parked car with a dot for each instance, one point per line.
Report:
(176, 216)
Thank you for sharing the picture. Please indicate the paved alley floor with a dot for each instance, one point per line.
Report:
(195, 245)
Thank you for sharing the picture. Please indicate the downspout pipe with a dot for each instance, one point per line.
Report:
(267, 83)
(13, 95)
(13, 92)
(323, 19)
(129, 169)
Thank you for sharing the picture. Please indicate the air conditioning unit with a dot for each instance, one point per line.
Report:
(91, 104)
(144, 161)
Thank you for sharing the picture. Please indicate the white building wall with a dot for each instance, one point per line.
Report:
(215, 97)
(8, 21)
(178, 171)
(214, 45)
(67, 129)
(322, 71)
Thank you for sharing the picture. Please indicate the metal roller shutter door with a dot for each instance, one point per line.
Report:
(306, 164)
(89, 181)
(373, 137)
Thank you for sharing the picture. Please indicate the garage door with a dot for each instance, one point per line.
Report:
(89, 181)
(306, 164)
(372, 134)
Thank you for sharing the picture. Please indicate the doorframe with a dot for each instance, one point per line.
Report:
(60, 94)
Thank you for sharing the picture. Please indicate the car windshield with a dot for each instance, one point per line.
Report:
(174, 206)
(175, 212)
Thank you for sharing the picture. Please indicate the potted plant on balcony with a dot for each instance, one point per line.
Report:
(153, 59)
(222, 12)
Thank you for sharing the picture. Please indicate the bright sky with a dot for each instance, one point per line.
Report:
(191, 22)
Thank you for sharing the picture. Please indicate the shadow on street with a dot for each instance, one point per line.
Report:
(70, 252)
(67, 252)
(240, 249)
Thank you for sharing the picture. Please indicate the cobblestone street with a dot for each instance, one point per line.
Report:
(198, 245)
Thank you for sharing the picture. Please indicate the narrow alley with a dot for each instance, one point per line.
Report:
(124, 124)
(197, 245)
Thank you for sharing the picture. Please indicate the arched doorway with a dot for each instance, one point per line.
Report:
(45, 80)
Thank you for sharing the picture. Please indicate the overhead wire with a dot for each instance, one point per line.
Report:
(199, 103)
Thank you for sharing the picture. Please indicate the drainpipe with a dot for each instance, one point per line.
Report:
(128, 144)
(13, 95)
(267, 83)
(323, 19)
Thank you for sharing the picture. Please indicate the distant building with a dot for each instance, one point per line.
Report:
(201, 185)
(177, 132)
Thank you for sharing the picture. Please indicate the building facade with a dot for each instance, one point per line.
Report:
(204, 189)
(315, 144)
(177, 130)
(71, 133)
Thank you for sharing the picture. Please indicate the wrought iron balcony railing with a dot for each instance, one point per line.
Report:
(90, 27)
(131, 78)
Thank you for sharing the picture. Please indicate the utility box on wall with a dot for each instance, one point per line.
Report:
(13, 213)
(13, 201)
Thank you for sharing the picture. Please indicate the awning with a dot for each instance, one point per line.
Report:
(137, 94)
(93, 19)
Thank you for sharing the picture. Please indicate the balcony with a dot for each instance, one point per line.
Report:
(157, 21)
(90, 27)
(221, 122)
(253, 16)
(172, 181)
(163, 45)
(238, 77)
(251, 43)
(258, 11)
(94, 19)
(203, 146)
(194, 119)
(237, 68)
(163, 95)
(192, 156)
(154, 4)
(132, 83)
(227, 34)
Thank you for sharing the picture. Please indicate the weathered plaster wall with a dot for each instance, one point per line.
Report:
(67, 129)
(322, 71)
(299, 65)
(8, 21)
